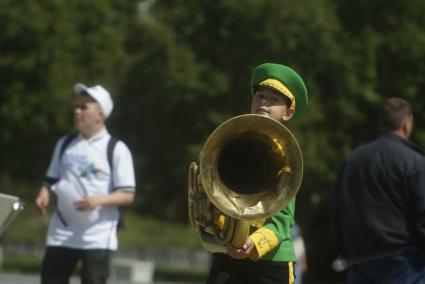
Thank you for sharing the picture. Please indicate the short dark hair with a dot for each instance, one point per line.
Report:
(392, 113)
(86, 94)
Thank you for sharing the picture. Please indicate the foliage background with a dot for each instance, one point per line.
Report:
(177, 69)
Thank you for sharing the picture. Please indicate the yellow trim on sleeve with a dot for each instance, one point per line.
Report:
(264, 241)
(291, 273)
(278, 86)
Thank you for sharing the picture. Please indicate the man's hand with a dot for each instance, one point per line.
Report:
(87, 202)
(243, 252)
(42, 201)
(115, 199)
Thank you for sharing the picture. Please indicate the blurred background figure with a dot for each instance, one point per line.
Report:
(90, 176)
(300, 253)
(379, 204)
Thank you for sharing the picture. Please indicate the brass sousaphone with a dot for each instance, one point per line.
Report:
(249, 169)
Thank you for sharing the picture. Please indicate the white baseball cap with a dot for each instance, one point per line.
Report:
(100, 94)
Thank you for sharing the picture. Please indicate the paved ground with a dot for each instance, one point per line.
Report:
(10, 278)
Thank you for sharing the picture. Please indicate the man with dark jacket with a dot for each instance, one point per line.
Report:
(379, 204)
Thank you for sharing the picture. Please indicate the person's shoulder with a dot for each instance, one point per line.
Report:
(120, 146)
(66, 138)
(401, 150)
(403, 146)
(364, 149)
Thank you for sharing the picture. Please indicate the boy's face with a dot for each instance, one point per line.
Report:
(87, 112)
(270, 103)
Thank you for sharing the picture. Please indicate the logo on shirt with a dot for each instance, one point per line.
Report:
(90, 169)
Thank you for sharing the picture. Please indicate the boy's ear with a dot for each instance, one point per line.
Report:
(99, 110)
(288, 115)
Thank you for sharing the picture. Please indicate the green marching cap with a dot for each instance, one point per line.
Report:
(284, 80)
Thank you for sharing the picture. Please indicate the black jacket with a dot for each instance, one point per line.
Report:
(379, 200)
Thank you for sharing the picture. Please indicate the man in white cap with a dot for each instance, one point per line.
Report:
(91, 175)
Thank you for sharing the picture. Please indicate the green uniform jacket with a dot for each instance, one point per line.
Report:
(281, 224)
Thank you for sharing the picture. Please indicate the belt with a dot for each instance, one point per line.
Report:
(341, 264)
(355, 260)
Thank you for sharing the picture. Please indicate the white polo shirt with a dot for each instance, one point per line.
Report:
(83, 170)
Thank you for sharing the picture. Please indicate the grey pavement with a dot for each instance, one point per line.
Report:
(15, 278)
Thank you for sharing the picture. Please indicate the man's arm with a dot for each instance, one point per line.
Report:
(52, 176)
(417, 202)
(123, 197)
(42, 200)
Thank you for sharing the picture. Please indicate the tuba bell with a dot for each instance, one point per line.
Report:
(249, 169)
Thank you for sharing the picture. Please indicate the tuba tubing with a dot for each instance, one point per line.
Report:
(249, 169)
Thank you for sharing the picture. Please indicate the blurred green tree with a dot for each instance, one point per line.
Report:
(46, 48)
